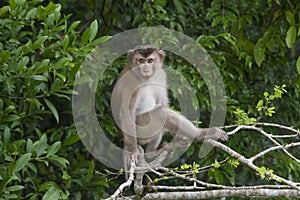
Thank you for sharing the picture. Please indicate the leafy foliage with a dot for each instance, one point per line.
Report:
(40, 55)
(255, 45)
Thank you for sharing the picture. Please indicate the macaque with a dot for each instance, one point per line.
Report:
(140, 105)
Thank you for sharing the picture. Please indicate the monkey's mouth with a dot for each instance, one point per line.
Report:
(146, 74)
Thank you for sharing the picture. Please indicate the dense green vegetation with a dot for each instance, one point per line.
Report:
(255, 45)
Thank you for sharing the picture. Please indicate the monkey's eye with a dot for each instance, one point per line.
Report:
(141, 60)
(150, 60)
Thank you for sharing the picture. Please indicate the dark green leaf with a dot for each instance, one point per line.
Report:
(290, 17)
(59, 161)
(91, 171)
(53, 109)
(71, 140)
(4, 56)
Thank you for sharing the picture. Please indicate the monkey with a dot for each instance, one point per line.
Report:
(140, 105)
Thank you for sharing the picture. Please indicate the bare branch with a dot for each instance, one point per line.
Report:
(259, 155)
(222, 193)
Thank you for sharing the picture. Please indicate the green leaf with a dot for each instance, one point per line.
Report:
(94, 30)
(65, 42)
(4, 56)
(21, 162)
(259, 53)
(53, 109)
(178, 6)
(52, 193)
(298, 65)
(4, 10)
(91, 171)
(101, 40)
(47, 185)
(54, 148)
(73, 26)
(41, 145)
(6, 136)
(85, 36)
(290, 17)
(50, 8)
(39, 42)
(10, 118)
(39, 78)
(291, 36)
(14, 188)
(59, 161)
(71, 140)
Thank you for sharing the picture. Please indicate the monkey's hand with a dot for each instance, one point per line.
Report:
(213, 133)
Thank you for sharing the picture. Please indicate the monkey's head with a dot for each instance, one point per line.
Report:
(145, 60)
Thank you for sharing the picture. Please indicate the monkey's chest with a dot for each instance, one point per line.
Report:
(146, 100)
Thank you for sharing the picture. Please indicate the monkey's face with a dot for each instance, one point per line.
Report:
(145, 60)
(146, 65)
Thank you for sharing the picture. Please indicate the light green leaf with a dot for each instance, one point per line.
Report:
(94, 30)
(14, 188)
(50, 8)
(298, 65)
(53, 109)
(39, 42)
(10, 118)
(85, 36)
(291, 36)
(21, 162)
(101, 40)
(73, 26)
(41, 145)
(6, 136)
(52, 194)
(39, 78)
(54, 148)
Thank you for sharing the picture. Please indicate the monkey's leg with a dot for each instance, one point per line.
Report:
(176, 123)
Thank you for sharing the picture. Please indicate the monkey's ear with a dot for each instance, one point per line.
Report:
(161, 54)
(130, 54)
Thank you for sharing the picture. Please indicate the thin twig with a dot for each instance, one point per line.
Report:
(125, 184)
